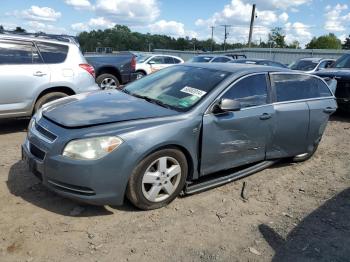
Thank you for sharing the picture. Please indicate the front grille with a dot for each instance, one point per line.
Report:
(71, 188)
(37, 152)
(46, 133)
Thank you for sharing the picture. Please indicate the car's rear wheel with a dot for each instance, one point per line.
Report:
(48, 98)
(158, 179)
(305, 156)
(107, 81)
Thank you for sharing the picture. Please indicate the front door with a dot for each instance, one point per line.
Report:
(233, 139)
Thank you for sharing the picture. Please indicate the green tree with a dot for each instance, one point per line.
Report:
(295, 45)
(329, 41)
(277, 37)
(346, 44)
(1, 29)
(19, 30)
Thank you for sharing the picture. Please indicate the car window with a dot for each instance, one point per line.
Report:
(157, 60)
(221, 60)
(200, 59)
(179, 87)
(53, 53)
(290, 87)
(12, 52)
(177, 61)
(168, 60)
(323, 65)
(250, 91)
(304, 65)
(343, 62)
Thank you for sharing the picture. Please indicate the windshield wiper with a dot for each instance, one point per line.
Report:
(151, 100)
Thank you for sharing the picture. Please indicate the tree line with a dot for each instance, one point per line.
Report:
(121, 38)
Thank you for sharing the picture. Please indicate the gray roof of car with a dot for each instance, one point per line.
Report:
(238, 68)
(315, 59)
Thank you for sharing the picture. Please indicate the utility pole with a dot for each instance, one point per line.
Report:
(226, 34)
(212, 38)
(251, 26)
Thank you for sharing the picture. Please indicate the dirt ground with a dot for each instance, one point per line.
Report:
(292, 212)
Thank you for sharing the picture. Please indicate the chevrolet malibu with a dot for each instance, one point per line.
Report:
(185, 129)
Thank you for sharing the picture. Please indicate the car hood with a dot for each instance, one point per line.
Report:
(335, 72)
(101, 107)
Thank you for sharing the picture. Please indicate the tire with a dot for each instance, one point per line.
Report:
(107, 81)
(48, 98)
(142, 188)
(306, 156)
(140, 74)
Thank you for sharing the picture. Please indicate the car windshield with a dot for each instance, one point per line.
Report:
(304, 65)
(343, 62)
(201, 59)
(177, 87)
(142, 58)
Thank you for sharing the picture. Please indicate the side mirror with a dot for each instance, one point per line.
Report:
(227, 105)
(151, 62)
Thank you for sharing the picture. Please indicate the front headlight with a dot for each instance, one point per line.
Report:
(91, 148)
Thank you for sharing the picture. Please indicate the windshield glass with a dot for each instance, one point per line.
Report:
(303, 65)
(343, 62)
(201, 59)
(142, 58)
(177, 87)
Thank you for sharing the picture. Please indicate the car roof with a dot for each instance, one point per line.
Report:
(36, 39)
(238, 68)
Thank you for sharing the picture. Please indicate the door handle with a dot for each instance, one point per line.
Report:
(39, 73)
(329, 110)
(265, 116)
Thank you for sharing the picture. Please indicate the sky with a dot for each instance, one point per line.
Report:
(300, 19)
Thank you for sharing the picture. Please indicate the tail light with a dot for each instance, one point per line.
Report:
(89, 68)
(133, 63)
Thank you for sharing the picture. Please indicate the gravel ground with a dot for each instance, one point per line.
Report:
(291, 212)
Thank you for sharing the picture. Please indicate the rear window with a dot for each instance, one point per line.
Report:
(16, 53)
(53, 53)
(304, 65)
(290, 87)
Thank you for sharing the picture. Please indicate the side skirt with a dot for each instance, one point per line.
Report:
(199, 186)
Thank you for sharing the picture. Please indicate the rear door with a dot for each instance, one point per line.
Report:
(22, 74)
(233, 139)
(292, 115)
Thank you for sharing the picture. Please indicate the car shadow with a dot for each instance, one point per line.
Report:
(22, 183)
(324, 235)
(340, 116)
(13, 125)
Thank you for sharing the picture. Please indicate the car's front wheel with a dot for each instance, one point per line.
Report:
(158, 179)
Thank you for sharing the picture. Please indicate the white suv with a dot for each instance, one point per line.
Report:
(147, 64)
(34, 71)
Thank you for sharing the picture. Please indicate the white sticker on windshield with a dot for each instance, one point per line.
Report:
(193, 91)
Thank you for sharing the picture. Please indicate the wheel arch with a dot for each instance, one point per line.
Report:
(182, 149)
(64, 89)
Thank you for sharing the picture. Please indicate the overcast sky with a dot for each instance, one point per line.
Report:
(300, 19)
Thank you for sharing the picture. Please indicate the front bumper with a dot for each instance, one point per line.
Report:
(99, 182)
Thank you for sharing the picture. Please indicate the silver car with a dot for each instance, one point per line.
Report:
(34, 71)
(311, 65)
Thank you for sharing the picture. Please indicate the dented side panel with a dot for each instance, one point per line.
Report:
(237, 138)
